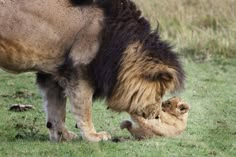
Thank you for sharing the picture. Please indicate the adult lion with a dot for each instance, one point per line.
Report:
(103, 49)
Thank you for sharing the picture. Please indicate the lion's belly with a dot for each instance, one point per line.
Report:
(17, 57)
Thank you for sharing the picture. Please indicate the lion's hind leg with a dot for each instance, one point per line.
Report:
(55, 106)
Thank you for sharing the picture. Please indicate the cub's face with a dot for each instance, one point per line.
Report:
(175, 106)
(174, 111)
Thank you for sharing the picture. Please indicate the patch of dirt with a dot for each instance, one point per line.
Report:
(20, 107)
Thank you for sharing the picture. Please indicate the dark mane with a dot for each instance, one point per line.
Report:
(124, 25)
(81, 2)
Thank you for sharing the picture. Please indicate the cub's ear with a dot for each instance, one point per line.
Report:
(183, 107)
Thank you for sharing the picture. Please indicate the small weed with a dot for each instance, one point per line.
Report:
(26, 128)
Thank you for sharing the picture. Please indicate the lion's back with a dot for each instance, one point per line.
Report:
(35, 34)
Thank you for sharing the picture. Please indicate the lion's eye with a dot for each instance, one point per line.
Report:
(157, 117)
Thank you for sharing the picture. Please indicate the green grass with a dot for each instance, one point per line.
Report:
(199, 28)
(211, 131)
(204, 34)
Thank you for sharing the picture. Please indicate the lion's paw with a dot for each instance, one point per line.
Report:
(59, 136)
(69, 135)
(96, 137)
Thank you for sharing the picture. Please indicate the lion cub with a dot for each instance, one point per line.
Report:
(172, 121)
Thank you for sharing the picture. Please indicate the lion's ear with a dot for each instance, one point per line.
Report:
(183, 108)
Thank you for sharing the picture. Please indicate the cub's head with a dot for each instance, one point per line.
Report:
(175, 106)
(171, 122)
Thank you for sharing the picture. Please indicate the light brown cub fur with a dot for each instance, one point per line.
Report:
(37, 35)
(172, 121)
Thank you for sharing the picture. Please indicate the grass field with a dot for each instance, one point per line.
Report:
(204, 32)
(199, 28)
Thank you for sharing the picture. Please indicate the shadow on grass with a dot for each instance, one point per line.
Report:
(29, 138)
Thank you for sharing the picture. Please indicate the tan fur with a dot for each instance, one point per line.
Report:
(56, 113)
(14, 56)
(87, 41)
(36, 36)
(172, 121)
(133, 93)
(81, 99)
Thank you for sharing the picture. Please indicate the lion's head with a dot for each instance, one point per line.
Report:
(134, 68)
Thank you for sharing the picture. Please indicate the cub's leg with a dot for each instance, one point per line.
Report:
(80, 93)
(55, 106)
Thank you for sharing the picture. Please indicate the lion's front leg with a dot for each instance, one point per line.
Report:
(55, 106)
(80, 95)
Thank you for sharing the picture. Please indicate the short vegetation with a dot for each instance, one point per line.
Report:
(202, 28)
(204, 34)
